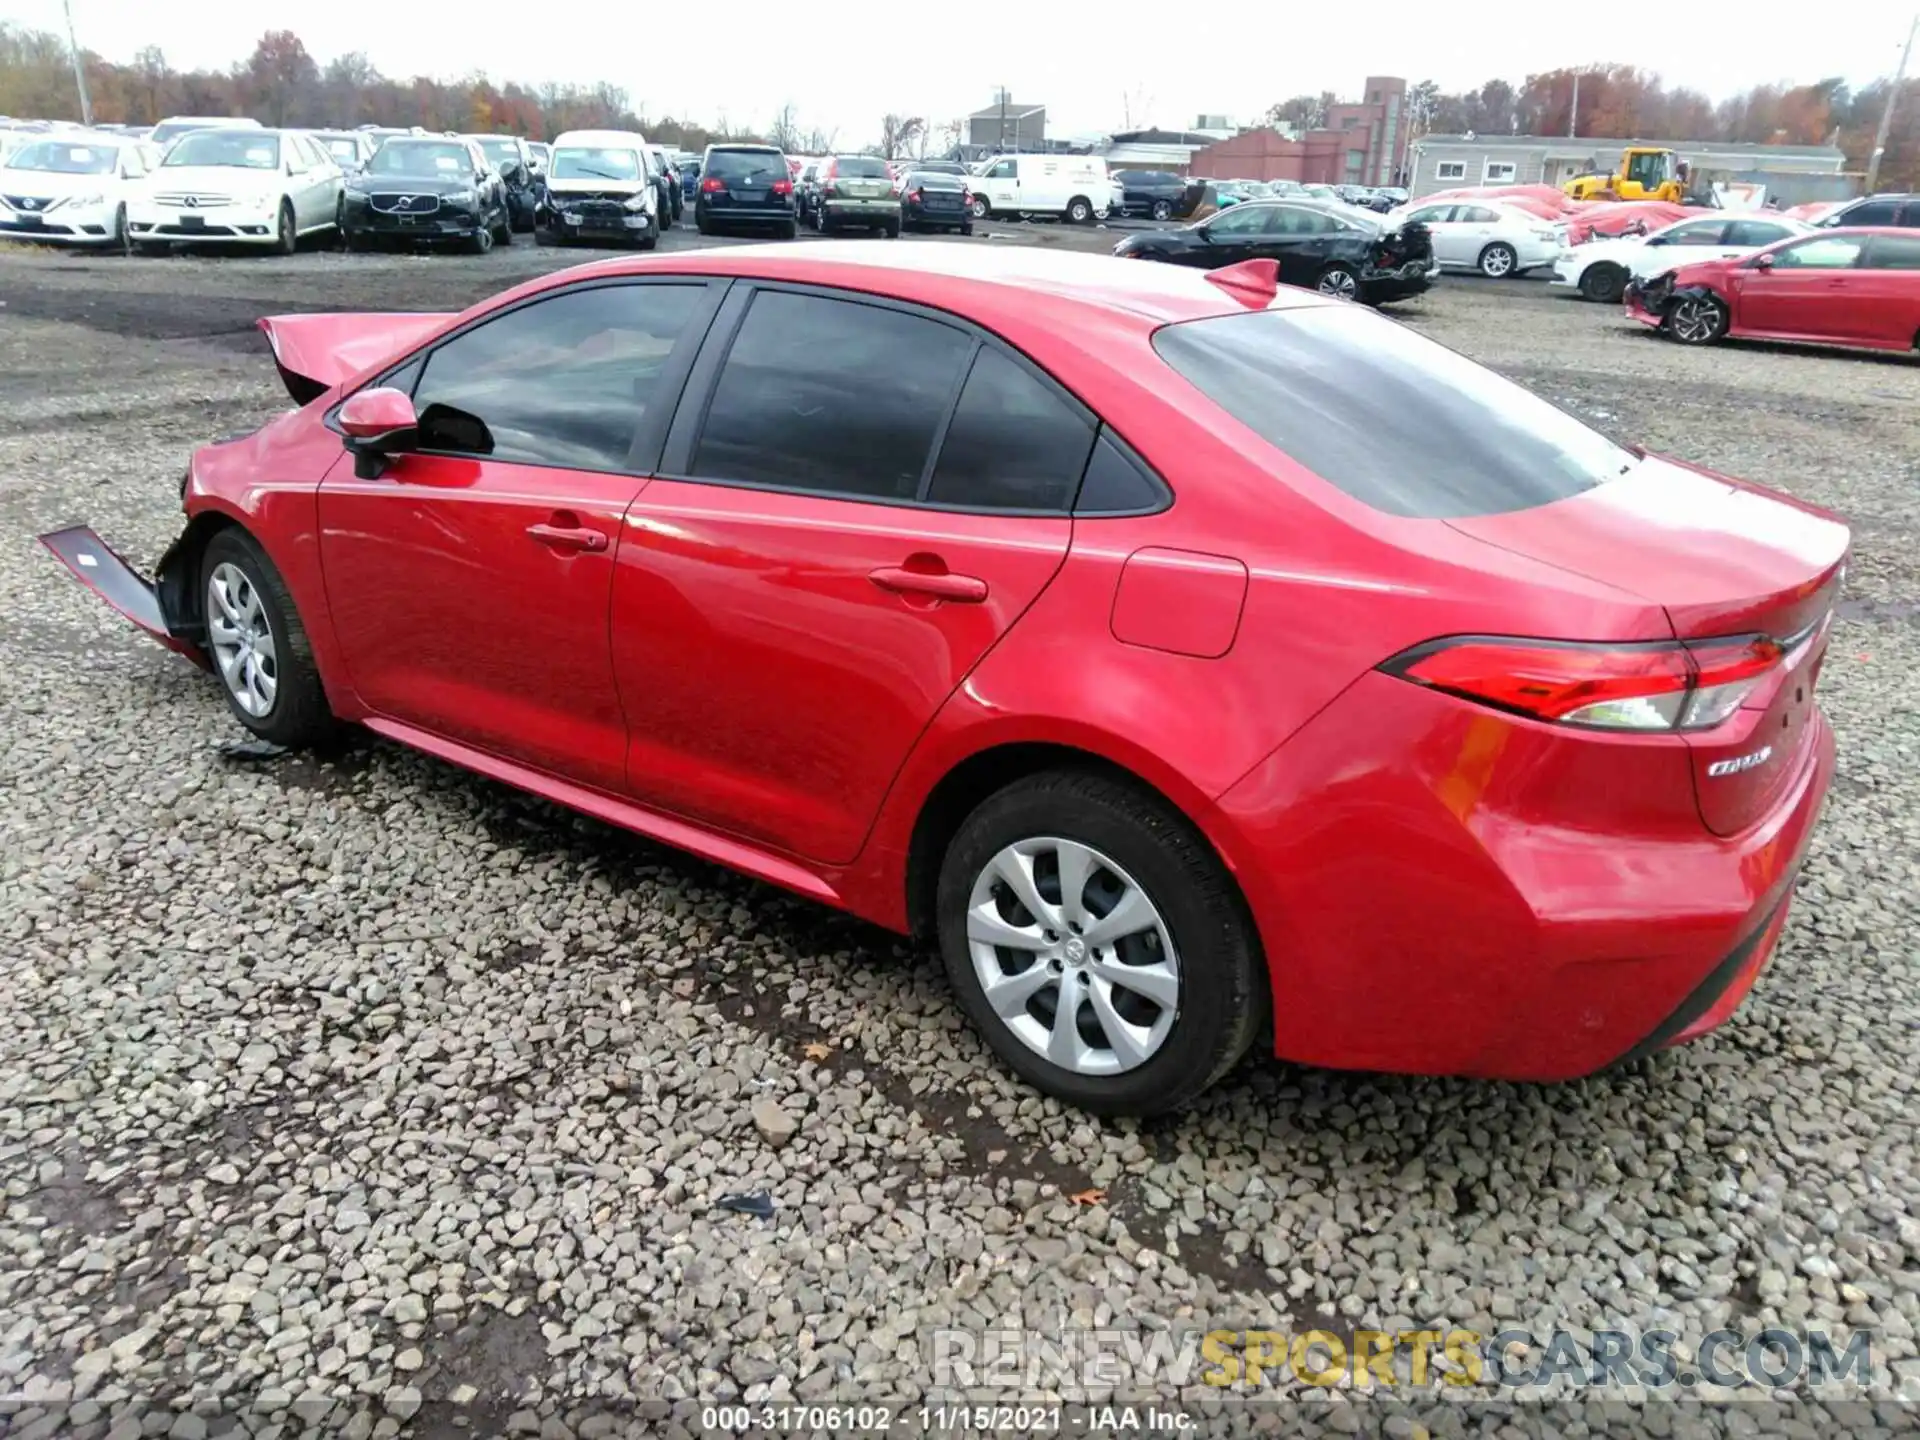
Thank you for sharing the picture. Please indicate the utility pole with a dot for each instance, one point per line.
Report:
(1003, 119)
(1886, 115)
(79, 70)
(1573, 113)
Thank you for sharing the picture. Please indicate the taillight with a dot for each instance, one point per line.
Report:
(713, 184)
(1687, 685)
(783, 187)
(917, 195)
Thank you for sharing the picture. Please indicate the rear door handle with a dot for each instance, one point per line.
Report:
(568, 537)
(961, 589)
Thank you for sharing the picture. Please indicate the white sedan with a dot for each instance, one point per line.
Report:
(1601, 269)
(250, 187)
(1497, 240)
(71, 189)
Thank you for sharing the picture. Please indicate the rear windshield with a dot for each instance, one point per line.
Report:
(862, 167)
(1388, 416)
(769, 165)
(936, 180)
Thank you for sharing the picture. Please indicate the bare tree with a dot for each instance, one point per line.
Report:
(948, 134)
(819, 142)
(1135, 106)
(897, 132)
(785, 131)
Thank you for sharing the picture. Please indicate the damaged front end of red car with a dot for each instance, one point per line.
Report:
(158, 606)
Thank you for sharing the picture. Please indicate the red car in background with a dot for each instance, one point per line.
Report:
(1183, 654)
(1834, 287)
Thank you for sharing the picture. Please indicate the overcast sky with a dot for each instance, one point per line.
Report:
(1090, 64)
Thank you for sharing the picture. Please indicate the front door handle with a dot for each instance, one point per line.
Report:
(568, 537)
(940, 584)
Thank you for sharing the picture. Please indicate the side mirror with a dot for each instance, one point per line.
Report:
(376, 423)
(1763, 262)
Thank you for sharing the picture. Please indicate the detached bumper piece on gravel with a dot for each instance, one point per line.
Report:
(95, 565)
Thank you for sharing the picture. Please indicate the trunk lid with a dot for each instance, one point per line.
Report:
(1408, 242)
(1723, 558)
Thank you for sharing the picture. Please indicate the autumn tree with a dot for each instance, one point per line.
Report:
(898, 132)
(280, 83)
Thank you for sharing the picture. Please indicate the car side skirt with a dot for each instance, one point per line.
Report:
(722, 850)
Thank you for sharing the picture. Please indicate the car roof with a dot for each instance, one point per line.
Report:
(1040, 284)
(601, 137)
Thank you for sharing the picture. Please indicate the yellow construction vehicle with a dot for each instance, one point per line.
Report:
(1645, 173)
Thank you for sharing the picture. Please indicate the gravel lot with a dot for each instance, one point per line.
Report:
(342, 1086)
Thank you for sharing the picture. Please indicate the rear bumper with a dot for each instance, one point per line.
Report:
(1401, 282)
(1471, 899)
(746, 214)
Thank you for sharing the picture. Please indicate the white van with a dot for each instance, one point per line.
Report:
(599, 186)
(1073, 187)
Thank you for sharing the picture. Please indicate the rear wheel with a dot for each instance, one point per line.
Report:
(966, 229)
(702, 224)
(1604, 282)
(1340, 282)
(893, 229)
(1497, 261)
(1098, 945)
(1079, 210)
(1696, 319)
(259, 647)
(789, 229)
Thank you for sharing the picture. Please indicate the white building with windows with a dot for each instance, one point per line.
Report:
(1794, 173)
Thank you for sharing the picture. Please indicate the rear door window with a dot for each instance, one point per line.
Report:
(832, 397)
(1872, 212)
(1821, 252)
(1014, 443)
(1894, 252)
(861, 167)
(1706, 232)
(1388, 416)
(1755, 232)
(765, 166)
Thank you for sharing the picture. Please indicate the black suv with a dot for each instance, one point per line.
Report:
(745, 185)
(1898, 210)
(427, 187)
(1158, 194)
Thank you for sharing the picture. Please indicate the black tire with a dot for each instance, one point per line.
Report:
(152, 249)
(981, 210)
(1223, 999)
(893, 229)
(286, 235)
(121, 242)
(542, 237)
(702, 224)
(966, 229)
(1162, 210)
(1339, 281)
(1498, 261)
(1695, 319)
(481, 241)
(1604, 282)
(1079, 210)
(789, 229)
(647, 241)
(299, 715)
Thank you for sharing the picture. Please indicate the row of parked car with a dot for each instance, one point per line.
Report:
(233, 181)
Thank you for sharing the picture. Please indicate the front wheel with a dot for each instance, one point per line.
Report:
(482, 241)
(285, 237)
(121, 241)
(258, 646)
(1098, 945)
(1339, 282)
(1497, 261)
(1604, 282)
(1162, 210)
(979, 207)
(1696, 319)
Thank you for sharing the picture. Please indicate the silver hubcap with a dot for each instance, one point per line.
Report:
(242, 640)
(1693, 320)
(1339, 283)
(1073, 956)
(1496, 262)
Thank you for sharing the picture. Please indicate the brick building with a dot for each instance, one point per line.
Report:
(1363, 142)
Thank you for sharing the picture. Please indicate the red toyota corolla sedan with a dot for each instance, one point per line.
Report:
(1183, 653)
(1833, 287)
